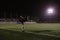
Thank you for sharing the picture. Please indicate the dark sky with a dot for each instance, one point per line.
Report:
(26, 7)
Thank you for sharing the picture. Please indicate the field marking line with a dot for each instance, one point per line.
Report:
(44, 34)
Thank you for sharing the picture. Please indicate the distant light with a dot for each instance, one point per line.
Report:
(50, 11)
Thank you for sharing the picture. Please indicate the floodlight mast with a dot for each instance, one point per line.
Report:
(50, 12)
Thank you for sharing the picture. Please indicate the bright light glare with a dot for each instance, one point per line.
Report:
(50, 11)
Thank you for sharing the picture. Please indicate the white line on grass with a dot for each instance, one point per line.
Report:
(44, 34)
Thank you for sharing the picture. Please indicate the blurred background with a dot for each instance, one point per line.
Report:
(31, 10)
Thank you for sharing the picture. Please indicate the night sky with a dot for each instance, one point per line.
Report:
(15, 9)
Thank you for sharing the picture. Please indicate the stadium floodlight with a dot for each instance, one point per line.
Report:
(50, 11)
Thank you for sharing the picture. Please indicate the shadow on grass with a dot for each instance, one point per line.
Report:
(17, 35)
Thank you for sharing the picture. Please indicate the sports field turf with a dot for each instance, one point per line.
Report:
(36, 31)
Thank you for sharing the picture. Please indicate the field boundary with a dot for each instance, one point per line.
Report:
(15, 22)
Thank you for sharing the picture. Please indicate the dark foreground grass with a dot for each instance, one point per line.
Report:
(17, 35)
(12, 31)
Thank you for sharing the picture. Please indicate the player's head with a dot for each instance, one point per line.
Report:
(21, 16)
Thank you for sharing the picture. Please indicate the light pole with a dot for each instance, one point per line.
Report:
(50, 13)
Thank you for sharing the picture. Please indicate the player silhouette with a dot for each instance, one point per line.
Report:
(22, 20)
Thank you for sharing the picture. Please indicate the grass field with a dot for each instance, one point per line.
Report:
(36, 31)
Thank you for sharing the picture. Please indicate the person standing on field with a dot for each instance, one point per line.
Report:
(22, 20)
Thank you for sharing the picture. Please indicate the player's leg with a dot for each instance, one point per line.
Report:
(22, 27)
